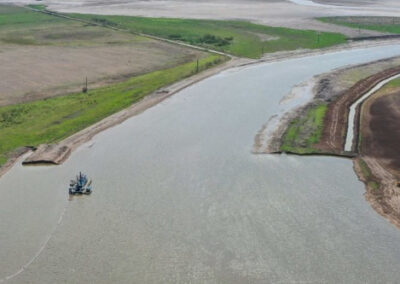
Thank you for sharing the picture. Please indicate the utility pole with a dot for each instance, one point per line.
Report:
(85, 89)
(197, 66)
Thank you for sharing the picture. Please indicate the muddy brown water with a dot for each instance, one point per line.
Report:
(179, 198)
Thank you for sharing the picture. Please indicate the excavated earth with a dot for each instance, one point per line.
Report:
(380, 153)
(380, 130)
(335, 121)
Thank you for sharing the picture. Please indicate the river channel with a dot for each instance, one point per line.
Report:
(179, 197)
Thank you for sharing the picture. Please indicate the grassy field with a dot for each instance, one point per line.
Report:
(11, 15)
(381, 24)
(305, 131)
(51, 120)
(21, 26)
(67, 51)
(235, 37)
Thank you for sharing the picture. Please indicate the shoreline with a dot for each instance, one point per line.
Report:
(315, 86)
(378, 200)
(55, 154)
(85, 135)
(381, 186)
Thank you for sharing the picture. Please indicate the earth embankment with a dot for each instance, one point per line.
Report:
(335, 121)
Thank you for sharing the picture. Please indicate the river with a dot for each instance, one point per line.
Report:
(178, 197)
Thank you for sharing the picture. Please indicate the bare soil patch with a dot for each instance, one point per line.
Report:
(380, 130)
(35, 72)
(42, 55)
(380, 153)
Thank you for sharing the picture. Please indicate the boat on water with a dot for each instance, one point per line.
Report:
(80, 185)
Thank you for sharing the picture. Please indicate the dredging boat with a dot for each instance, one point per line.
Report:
(80, 185)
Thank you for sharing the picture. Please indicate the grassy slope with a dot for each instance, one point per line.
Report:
(304, 131)
(51, 120)
(236, 37)
(381, 24)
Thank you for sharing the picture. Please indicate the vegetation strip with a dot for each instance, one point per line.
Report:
(235, 37)
(304, 132)
(240, 38)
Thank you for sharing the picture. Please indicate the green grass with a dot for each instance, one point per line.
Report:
(38, 7)
(394, 83)
(365, 169)
(367, 174)
(20, 26)
(235, 37)
(305, 131)
(17, 16)
(381, 24)
(25, 27)
(51, 120)
(373, 184)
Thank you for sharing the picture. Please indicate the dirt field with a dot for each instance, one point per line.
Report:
(381, 132)
(379, 163)
(59, 70)
(380, 129)
(48, 59)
